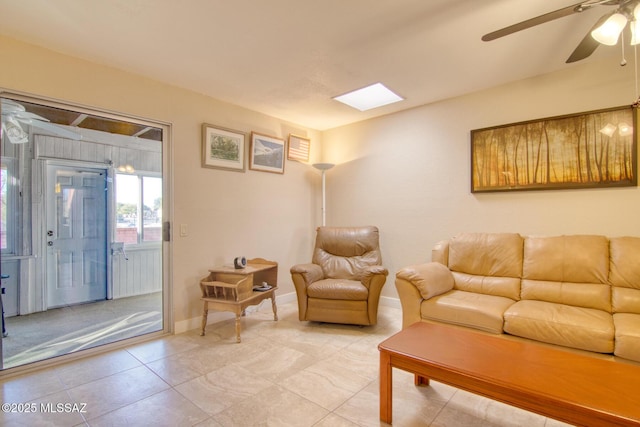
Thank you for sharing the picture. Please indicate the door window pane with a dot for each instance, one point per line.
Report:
(4, 207)
(8, 205)
(152, 209)
(127, 200)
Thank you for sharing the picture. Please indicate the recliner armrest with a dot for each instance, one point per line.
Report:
(431, 279)
(371, 272)
(375, 269)
(309, 272)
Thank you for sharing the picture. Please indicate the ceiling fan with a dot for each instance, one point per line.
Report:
(606, 30)
(15, 117)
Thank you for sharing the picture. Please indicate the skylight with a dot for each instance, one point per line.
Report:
(369, 97)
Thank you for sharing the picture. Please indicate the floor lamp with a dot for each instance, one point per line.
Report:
(324, 167)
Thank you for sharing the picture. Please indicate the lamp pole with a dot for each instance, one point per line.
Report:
(324, 167)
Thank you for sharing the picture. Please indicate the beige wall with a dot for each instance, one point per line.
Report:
(408, 173)
(256, 214)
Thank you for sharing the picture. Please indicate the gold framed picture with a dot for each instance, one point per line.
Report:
(223, 148)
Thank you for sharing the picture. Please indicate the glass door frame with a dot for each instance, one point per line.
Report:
(167, 219)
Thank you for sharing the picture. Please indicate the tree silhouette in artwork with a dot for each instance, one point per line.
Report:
(224, 147)
(568, 152)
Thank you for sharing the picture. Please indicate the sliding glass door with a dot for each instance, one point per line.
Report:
(84, 257)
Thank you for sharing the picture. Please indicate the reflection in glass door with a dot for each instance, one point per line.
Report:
(76, 235)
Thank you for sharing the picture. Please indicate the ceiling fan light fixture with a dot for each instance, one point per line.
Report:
(635, 33)
(635, 26)
(13, 131)
(609, 32)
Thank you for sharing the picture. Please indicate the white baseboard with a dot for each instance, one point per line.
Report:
(390, 302)
(219, 316)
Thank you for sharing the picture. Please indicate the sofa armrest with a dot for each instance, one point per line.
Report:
(431, 279)
(416, 283)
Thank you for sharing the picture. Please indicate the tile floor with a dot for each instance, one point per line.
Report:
(285, 373)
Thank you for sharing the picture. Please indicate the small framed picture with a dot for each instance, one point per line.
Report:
(223, 148)
(267, 153)
(298, 148)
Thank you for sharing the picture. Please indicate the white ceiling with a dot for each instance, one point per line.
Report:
(288, 58)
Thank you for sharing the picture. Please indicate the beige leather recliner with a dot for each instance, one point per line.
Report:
(344, 280)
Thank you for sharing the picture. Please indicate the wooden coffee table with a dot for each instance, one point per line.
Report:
(571, 387)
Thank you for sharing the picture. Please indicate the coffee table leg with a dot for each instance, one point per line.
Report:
(386, 384)
(420, 381)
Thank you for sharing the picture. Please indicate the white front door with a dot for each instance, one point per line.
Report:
(76, 231)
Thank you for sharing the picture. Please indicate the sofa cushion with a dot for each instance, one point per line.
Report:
(588, 295)
(625, 274)
(340, 289)
(577, 327)
(579, 259)
(627, 335)
(625, 300)
(486, 254)
(508, 287)
(625, 262)
(468, 309)
(440, 252)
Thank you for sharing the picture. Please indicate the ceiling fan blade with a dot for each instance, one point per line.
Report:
(28, 116)
(556, 14)
(9, 107)
(588, 45)
(55, 129)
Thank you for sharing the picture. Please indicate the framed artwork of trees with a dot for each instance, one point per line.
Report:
(223, 148)
(585, 150)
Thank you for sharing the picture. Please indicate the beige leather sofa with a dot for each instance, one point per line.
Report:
(580, 291)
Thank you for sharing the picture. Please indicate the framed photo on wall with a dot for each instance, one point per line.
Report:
(267, 153)
(298, 148)
(223, 148)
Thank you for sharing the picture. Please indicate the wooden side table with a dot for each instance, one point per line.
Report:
(229, 289)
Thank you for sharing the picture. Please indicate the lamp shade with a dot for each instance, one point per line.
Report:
(635, 26)
(323, 166)
(635, 32)
(610, 30)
